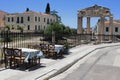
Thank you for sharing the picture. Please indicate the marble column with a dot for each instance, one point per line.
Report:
(88, 28)
(102, 28)
(79, 29)
(111, 28)
(88, 25)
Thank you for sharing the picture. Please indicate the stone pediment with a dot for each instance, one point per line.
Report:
(94, 11)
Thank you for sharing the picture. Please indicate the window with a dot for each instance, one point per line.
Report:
(17, 19)
(35, 18)
(54, 20)
(12, 19)
(8, 19)
(51, 20)
(28, 27)
(47, 21)
(22, 20)
(39, 19)
(28, 18)
(44, 27)
(44, 19)
(35, 27)
(107, 29)
(116, 29)
(39, 27)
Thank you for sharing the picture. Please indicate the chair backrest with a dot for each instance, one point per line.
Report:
(44, 46)
(8, 51)
(30, 46)
(34, 46)
(17, 52)
(51, 47)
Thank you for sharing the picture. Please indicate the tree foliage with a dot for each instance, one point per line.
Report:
(55, 13)
(47, 10)
(21, 28)
(27, 9)
(7, 26)
(59, 28)
(73, 31)
(56, 27)
(67, 30)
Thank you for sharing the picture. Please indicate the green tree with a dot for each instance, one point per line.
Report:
(7, 26)
(56, 27)
(20, 28)
(27, 9)
(67, 30)
(73, 31)
(42, 31)
(5, 34)
(55, 13)
(47, 10)
(13, 27)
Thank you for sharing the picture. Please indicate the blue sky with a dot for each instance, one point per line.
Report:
(67, 8)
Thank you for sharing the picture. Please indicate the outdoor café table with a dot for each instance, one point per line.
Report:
(59, 48)
(30, 53)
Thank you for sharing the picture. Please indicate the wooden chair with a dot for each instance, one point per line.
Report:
(18, 56)
(8, 56)
(30, 46)
(44, 49)
(36, 59)
(52, 51)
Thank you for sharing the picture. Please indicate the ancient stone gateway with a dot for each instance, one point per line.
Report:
(95, 11)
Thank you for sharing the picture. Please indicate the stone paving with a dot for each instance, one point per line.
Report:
(102, 65)
(45, 62)
(50, 66)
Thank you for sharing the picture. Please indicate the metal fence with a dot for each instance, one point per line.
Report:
(18, 39)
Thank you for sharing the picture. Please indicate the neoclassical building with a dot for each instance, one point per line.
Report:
(94, 11)
(106, 30)
(2, 18)
(30, 20)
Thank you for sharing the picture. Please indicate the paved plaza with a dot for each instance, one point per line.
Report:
(50, 68)
(103, 64)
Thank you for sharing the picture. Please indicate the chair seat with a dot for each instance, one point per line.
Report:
(19, 57)
(10, 57)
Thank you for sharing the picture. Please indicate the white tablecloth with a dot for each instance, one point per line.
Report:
(58, 48)
(30, 53)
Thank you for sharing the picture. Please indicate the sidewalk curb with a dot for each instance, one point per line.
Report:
(65, 67)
